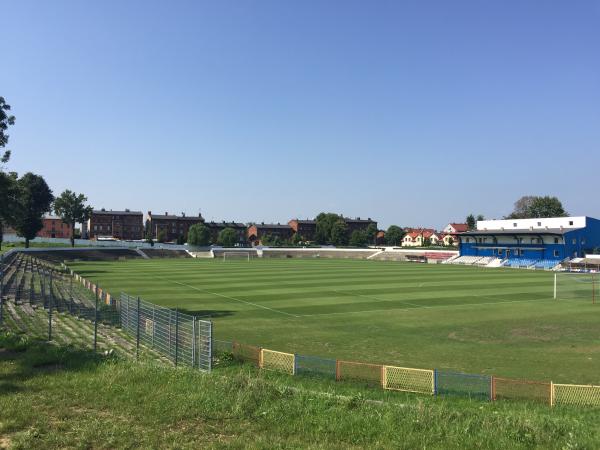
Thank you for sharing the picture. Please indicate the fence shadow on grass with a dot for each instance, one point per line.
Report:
(207, 314)
(22, 359)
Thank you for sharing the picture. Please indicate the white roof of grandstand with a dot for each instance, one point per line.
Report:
(519, 231)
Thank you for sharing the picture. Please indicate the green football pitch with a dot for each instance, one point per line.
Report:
(492, 321)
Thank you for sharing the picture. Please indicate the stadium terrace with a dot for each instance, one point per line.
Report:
(542, 242)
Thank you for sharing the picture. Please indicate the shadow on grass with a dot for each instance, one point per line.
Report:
(207, 314)
(23, 358)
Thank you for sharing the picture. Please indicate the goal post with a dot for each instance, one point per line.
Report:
(576, 286)
(246, 256)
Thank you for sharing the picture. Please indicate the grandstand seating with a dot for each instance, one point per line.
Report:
(484, 261)
(546, 263)
(467, 260)
(520, 262)
(95, 254)
(532, 262)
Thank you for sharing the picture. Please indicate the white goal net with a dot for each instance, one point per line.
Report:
(241, 255)
(576, 286)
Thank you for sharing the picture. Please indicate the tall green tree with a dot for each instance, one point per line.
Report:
(324, 227)
(522, 208)
(394, 235)
(227, 237)
(6, 180)
(7, 191)
(297, 239)
(359, 238)
(480, 217)
(471, 222)
(531, 206)
(6, 120)
(33, 199)
(339, 233)
(371, 234)
(72, 209)
(198, 235)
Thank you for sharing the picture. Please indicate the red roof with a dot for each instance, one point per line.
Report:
(460, 227)
(426, 232)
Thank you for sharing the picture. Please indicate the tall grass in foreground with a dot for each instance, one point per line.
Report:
(53, 397)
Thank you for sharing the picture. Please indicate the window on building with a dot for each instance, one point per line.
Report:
(515, 224)
(499, 252)
(556, 253)
(570, 222)
(539, 224)
(556, 240)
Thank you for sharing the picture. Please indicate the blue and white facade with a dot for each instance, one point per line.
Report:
(555, 238)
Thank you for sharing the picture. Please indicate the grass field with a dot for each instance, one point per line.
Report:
(493, 321)
(52, 397)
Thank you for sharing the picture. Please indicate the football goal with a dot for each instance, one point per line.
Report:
(576, 286)
(237, 255)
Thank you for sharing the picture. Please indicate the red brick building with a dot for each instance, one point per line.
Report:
(124, 225)
(54, 227)
(358, 224)
(304, 228)
(216, 227)
(257, 232)
(171, 227)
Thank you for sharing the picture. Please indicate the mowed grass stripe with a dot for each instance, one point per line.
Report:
(462, 318)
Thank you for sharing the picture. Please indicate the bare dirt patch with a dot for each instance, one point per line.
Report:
(4, 442)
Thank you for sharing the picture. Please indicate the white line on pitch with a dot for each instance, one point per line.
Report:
(231, 298)
(427, 307)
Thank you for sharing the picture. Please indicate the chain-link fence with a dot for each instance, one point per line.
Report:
(182, 338)
(38, 299)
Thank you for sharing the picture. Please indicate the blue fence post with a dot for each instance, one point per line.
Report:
(295, 364)
(435, 382)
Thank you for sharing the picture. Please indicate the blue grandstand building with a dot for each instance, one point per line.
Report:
(539, 243)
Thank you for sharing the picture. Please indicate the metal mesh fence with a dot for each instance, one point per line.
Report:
(311, 365)
(409, 380)
(462, 384)
(180, 337)
(278, 361)
(576, 394)
(506, 388)
(367, 373)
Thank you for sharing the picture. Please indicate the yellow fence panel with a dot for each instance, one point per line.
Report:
(409, 380)
(575, 394)
(279, 361)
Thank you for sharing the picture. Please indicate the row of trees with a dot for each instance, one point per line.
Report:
(24, 200)
(200, 235)
(331, 228)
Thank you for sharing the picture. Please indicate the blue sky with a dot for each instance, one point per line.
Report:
(413, 113)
